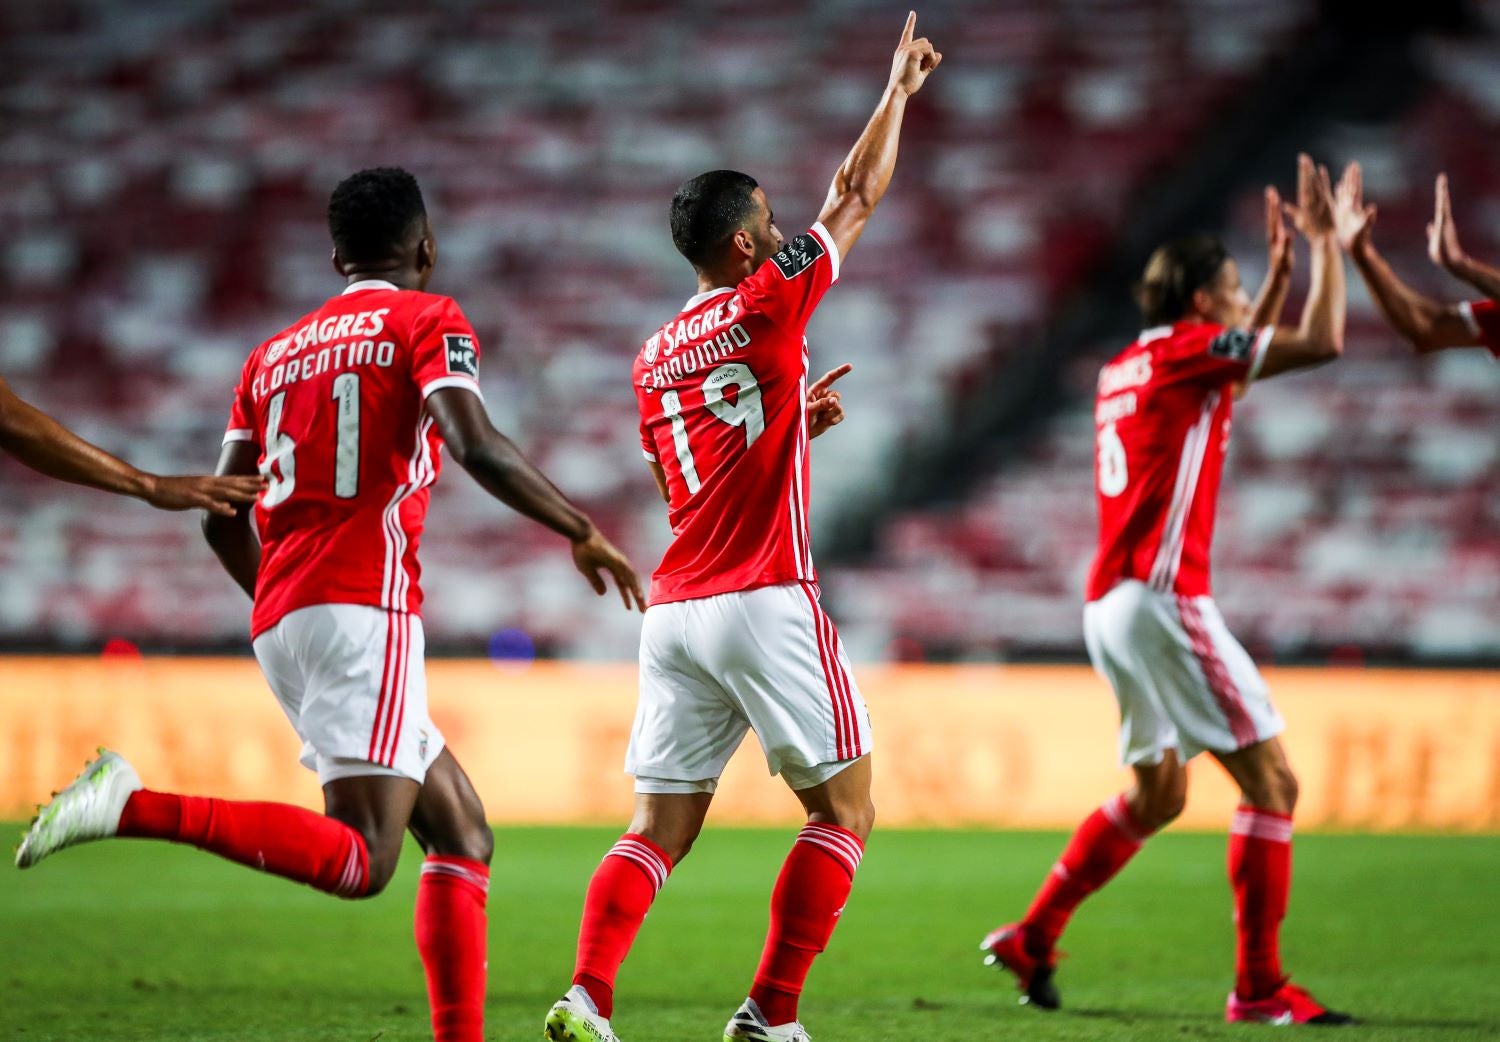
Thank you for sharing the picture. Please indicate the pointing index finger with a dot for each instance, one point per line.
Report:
(911, 28)
(827, 379)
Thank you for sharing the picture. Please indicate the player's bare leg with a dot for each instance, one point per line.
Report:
(1102, 846)
(662, 831)
(809, 896)
(451, 928)
(1260, 871)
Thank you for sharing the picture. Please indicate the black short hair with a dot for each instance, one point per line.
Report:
(707, 210)
(1174, 273)
(371, 212)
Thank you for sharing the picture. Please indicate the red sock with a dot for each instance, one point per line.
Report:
(451, 938)
(805, 906)
(1106, 840)
(1260, 870)
(620, 894)
(278, 838)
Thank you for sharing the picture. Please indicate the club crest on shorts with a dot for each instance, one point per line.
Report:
(463, 359)
(798, 255)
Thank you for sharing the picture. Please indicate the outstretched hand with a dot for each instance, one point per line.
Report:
(1313, 214)
(1278, 235)
(1442, 235)
(595, 553)
(1352, 217)
(216, 495)
(825, 407)
(914, 60)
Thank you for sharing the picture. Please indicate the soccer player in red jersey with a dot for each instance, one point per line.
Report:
(46, 446)
(344, 413)
(735, 639)
(1184, 685)
(1428, 324)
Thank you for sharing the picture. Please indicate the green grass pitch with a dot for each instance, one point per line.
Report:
(132, 941)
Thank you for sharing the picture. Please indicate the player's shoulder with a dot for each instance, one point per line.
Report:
(412, 302)
(1192, 340)
(794, 262)
(270, 350)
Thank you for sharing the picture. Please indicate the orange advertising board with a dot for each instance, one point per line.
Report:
(1003, 746)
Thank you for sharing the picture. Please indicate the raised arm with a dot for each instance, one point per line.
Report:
(1271, 299)
(1319, 337)
(1428, 324)
(45, 445)
(494, 461)
(862, 178)
(1443, 247)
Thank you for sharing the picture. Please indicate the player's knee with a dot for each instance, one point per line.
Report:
(379, 873)
(475, 842)
(1156, 810)
(1274, 789)
(858, 816)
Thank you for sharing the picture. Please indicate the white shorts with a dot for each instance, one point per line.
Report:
(767, 660)
(1183, 682)
(350, 679)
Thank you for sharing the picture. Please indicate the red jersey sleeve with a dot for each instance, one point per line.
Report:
(241, 411)
(444, 349)
(1216, 355)
(1483, 317)
(788, 286)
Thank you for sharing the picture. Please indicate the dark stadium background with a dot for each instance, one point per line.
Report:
(164, 168)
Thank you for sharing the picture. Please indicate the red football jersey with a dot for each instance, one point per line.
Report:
(335, 401)
(1483, 317)
(1162, 419)
(722, 391)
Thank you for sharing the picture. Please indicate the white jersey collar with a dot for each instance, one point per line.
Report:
(701, 297)
(364, 284)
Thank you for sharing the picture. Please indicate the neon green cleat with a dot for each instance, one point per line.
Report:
(575, 1018)
(86, 810)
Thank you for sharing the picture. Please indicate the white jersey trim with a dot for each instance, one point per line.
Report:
(649, 455)
(1189, 467)
(419, 474)
(451, 381)
(1466, 312)
(828, 244)
(694, 301)
(364, 284)
(1258, 352)
(238, 434)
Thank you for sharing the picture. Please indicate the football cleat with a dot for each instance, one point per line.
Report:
(1289, 1005)
(575, 1018)
(1005, 946)
(749, 1022)
(86, 810)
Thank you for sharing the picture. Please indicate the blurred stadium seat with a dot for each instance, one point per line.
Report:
(163, 173)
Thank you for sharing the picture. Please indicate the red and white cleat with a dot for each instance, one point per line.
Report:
(1005, 946)
(1289, 1005)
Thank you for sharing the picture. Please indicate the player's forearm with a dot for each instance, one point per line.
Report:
(1481, 276)
(45, 445)
(1322, 325)
(866, 172)
(504, 473)
(1410, 313)
(233, 542)
(1271, 299)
